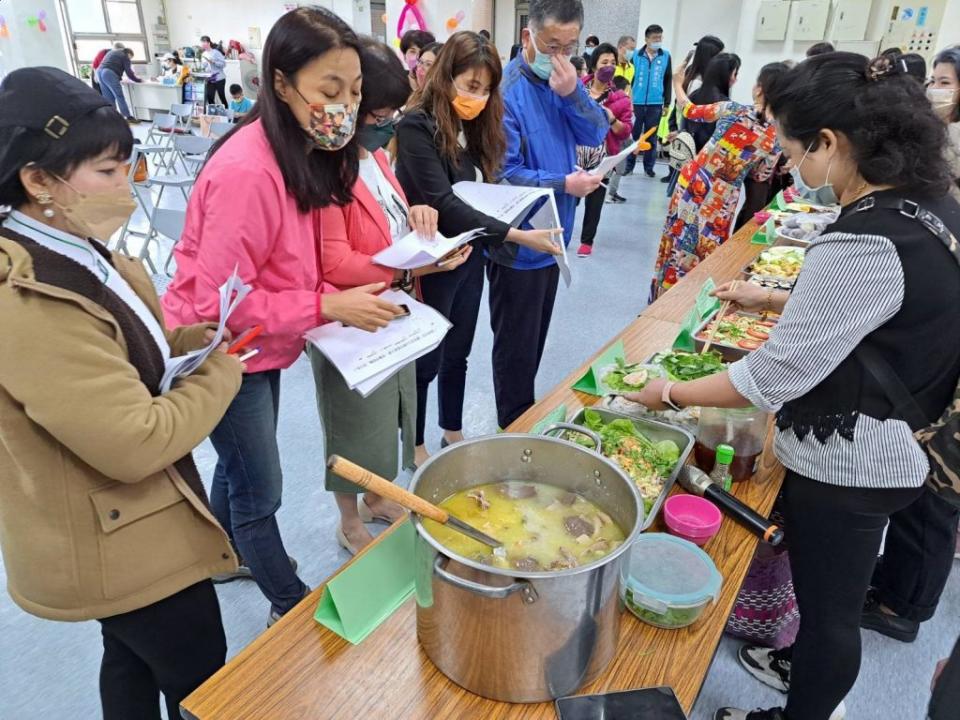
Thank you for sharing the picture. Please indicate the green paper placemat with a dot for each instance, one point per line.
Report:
(361, 597)
(590, 382)
(558, 414)
(779, 201)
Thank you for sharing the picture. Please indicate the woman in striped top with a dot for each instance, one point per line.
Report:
(861, 134)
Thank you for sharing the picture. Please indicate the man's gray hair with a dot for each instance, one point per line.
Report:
(624, 39)
(118, 46)
(560, 11)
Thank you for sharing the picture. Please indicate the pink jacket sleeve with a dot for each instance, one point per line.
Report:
(623, 110)
(341, 264)
(242, 211)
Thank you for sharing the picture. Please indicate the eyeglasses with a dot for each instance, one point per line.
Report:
(383, 121)
(425, 64)
(554, 49)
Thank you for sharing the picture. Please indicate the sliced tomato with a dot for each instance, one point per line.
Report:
(748, 344)
(758, 334)
(766, 323)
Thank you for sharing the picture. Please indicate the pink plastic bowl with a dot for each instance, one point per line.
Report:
(692, 518)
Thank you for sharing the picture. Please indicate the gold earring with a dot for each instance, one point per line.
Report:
(44, 198)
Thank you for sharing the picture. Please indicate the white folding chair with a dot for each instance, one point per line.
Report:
(143, 192)
(219, 129)
(169, 224)
(191, 151)
(183, 112)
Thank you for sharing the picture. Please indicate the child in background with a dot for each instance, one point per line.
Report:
(239, 104)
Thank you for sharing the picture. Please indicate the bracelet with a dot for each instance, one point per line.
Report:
(665, 396)
(768, 304)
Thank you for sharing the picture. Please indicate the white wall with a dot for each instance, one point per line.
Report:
(503, 27)
(26, 45)
(230, 19)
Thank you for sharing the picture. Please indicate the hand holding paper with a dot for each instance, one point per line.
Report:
(360, 307)
(411, 252)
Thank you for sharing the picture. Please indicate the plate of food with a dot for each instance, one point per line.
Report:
(736, 333)
(624, 377)
(783, 263)
(679, 365)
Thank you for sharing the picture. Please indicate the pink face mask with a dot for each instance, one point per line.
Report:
(412, 62)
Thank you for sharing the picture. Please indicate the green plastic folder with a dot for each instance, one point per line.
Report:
(779, 201)
(365, 594)
(590, 382)
(767, 235)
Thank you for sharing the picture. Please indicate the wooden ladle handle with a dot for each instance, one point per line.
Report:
(384, 488)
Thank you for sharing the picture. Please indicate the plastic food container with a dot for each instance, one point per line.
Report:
(692, 518)
(669, 582)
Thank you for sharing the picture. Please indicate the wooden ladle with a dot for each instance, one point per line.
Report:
(384, 488)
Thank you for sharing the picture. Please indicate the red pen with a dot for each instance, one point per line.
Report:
(241, 342)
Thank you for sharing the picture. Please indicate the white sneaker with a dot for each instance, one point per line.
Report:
(771, 667)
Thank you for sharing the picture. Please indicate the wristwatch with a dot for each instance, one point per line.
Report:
(405, 282)
(665, 396)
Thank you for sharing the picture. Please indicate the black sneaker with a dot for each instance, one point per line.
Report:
(729, 713)
(617, 198)
(893, 626)
(665, 179)
(771, 667)
(650, 173)
(776, 713)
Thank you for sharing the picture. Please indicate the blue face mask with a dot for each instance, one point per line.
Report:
(655, 45)
(542, 66)
(823, 195)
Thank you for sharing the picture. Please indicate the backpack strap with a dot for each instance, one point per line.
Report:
(905, 405)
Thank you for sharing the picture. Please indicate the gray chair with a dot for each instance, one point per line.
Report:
(191, 151)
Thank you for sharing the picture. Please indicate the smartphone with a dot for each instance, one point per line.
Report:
(657, 703)
(405, 312)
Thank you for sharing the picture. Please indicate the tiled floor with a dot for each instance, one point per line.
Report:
(49, 670)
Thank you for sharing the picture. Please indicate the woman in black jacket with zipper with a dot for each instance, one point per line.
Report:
(454, 132)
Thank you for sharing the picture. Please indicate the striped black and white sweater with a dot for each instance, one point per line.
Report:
(875, 276)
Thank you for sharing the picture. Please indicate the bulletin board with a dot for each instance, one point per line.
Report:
(31, 34)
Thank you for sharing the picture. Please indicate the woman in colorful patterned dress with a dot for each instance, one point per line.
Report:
(703, 206)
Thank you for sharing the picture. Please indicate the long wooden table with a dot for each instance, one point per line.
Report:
(298, 669)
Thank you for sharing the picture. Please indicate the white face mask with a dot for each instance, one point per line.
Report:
(944, 101)
(823, 195)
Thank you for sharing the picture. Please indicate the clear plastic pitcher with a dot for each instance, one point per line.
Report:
(743, 428)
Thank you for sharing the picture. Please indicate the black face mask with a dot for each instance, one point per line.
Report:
(373, 137)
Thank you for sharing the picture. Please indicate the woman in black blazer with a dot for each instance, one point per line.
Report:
(454, 132)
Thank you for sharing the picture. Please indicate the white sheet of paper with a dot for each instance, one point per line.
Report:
(363, 358)
(511, 204)
(366, 387)
(232, 292)
(410, 252)
(611, 161)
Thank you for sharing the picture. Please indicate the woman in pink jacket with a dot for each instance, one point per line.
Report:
(619, 109)
(252, 208)
(364, 429)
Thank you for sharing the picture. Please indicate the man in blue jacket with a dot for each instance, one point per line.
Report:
(547, 113)
(652, 85)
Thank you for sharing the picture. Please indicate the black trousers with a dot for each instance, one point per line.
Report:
(834, 536)
(521, 305)
(455, 295)
(946, 694)
(917, 557)
(170, 647)
(592, 208)
(217, 88)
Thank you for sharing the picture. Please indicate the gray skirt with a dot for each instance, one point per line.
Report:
(364, 429)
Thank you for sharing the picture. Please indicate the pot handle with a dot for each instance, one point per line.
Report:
(575, 428)
(527, 591)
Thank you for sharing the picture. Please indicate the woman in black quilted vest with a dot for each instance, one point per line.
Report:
(878, 282)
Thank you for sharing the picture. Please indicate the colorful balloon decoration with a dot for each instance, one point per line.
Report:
(4, 30)
(38, 21)
(410, 7)
(453, 22)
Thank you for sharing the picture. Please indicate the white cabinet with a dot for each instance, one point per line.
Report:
(772, 20)
(850, 18)
(808, 18)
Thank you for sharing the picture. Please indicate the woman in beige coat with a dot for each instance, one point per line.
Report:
(102, 512)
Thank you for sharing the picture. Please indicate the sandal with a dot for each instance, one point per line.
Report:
(367, 515)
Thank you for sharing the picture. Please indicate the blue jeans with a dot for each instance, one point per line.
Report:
(112, 90)
(247, 485)
(644, 118)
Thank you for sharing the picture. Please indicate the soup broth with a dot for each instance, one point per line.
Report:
(542, 527)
